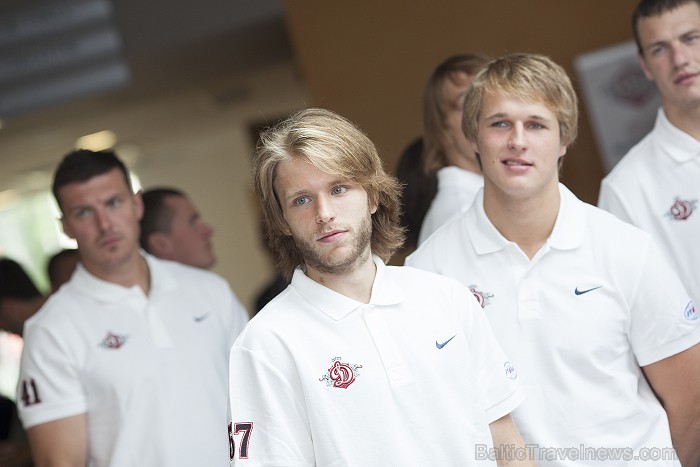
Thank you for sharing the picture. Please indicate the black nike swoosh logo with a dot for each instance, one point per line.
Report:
(581, 292)
(439, 346)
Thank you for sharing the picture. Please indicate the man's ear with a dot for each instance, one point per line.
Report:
(159, 243)
(373, 206)
(286, 230)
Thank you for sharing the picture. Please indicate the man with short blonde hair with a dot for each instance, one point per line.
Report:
(602, 331)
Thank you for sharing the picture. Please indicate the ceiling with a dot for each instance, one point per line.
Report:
(168, 48)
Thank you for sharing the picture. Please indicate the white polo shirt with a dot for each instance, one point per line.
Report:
(656, 187)
(596, 302)
(455, 193)
(412, 378)
(151, 372)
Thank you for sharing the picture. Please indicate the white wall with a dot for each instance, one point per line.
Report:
(209, 157)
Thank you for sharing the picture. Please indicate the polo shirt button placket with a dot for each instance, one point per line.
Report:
(395, 367)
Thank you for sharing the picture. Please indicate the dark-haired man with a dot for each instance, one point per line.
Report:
(127, 363)
(656, 186)
(173, 229)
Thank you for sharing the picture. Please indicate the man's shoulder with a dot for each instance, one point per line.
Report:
(615, 238)
(420, 281)
(610, 225)
(61, 314)
(442, 242)
(279, 317)
(637, 159)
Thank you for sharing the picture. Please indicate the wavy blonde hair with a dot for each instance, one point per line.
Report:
(336, 146)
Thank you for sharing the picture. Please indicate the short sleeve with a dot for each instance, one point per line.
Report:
(268, 426)
(232, 313)
(49, 386)
(423, 258)
(496, 375)
(609, 200)
(238, 316)
(664, 321)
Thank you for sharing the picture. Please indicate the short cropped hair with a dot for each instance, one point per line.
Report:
(83, 164)
(15, 282)
(157, 215)
(54, 266)
(434, 118)
(336, 146)
(649, 8)
(531, 77)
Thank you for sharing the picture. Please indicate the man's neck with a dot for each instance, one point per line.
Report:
(464, 162)
(356, 283)
(686, 120)
(526, 222)
(134, 271)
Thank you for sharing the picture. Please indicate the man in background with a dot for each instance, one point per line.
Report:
(173, 229)
(446, 151)
(603, 333)
(656, 186)
(61, 266)
(127, 363)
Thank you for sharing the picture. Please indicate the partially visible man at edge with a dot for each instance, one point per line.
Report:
(126, 364)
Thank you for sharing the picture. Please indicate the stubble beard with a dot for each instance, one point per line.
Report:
(334, 264)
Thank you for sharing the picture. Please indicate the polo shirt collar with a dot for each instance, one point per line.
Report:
(677, 144)
(482, 233)
(568, 232)
(385, 291)
(108, 292)
(570, 226)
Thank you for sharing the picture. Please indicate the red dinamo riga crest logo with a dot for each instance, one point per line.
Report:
(113, 341)
(340, 375)
(682, 209)
(484, 298)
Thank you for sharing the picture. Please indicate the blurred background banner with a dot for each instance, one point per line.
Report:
(620, 101)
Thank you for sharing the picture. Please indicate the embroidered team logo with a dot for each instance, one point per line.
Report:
(340, 375)
(484, 298)
(511, 372)
(682, 209)
(113, 341)
(690, 313)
